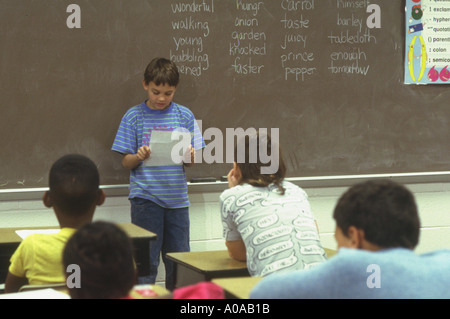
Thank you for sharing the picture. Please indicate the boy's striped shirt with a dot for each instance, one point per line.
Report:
(164, 185)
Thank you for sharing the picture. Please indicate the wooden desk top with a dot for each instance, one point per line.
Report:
(330, 252)
(238, 287)
(205, 261)
(9, 235)
(135, 231)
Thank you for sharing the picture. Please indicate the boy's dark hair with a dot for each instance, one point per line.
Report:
(104, 253)
(251, 171)
(162, 71)
(74, 184)
(385, 210)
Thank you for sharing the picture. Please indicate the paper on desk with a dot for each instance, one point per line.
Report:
(36, 294)
(168, 147)
(27, 232)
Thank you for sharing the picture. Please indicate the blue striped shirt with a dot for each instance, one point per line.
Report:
(164, 185)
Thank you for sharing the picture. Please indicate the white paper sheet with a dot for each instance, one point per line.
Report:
(167, 148)
(27, 232)
(36, 294)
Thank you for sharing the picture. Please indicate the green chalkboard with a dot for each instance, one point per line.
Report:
(331, 83)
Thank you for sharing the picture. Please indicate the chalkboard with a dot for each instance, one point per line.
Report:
(316, 70)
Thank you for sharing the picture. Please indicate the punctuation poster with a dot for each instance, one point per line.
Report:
(427, 42)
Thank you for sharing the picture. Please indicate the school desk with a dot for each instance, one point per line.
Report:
(330, 252)
(237, 287)
(194, 267)
(10, 240)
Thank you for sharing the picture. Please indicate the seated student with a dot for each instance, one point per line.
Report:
(104, 254)
(377, 228)
(267, 220)
(73, 194)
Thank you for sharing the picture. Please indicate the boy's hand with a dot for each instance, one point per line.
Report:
(189, 156)
(143, 153)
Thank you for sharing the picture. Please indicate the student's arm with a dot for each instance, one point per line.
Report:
(317, 225)
(234, 176)
(236, 249)
(13, 283)
(131, 161)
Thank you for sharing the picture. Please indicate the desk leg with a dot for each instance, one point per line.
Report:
(142, 255)
(185, 276)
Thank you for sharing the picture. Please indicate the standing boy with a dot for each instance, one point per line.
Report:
(73, 194)
(158, 194)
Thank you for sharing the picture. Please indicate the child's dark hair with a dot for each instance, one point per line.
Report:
(162, 71)
(250, 169)
(74, 184)
(104, 253)
(385, 210)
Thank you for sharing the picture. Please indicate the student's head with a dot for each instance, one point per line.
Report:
(258, 158)
(161, 79)
(74, 188)
(104, 254)
(162, 71)
(377, 214)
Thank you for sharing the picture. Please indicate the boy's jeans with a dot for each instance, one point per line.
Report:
(172, 228)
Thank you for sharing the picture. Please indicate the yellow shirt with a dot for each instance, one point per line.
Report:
(39, 258)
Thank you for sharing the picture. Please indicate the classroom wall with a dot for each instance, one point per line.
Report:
(206, 228)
